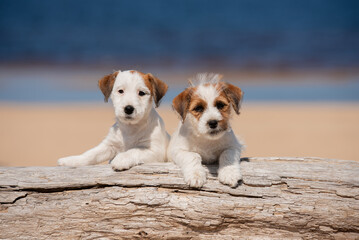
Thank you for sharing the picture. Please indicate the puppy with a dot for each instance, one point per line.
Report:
(204, 135)
(139, 135)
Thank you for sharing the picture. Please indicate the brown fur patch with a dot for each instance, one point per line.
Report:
(234, 95)
(186, 101)
(106, 84)
(225, 110)
(181, 102)
(156, 86)
(195, 103)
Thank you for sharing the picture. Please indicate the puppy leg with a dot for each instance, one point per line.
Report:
(134, 157)
(191, 165)
(101, 153)
(229, 172)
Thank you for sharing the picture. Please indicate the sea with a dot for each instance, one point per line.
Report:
(244, 35)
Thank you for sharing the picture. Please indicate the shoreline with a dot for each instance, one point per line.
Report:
(67, 84)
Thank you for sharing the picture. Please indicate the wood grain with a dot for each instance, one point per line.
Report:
(292, 198)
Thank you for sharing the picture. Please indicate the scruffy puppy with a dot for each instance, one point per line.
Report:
(139, 135)
(205, 135)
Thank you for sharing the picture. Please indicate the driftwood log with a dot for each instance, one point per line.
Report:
(290, 198)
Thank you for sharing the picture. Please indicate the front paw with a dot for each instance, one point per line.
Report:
(121, 164)
(73, 161)
(195, 177)
(229, 175)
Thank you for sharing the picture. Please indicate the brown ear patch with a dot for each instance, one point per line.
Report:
(157, 87)
(234, 95)
(106, 84)
(181, 102)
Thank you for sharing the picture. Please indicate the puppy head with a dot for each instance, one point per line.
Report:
(131, 93)
(207, 107)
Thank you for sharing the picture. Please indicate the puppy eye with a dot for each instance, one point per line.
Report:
(198, 108)
(220, 105)
(120, 91)
(141, 93)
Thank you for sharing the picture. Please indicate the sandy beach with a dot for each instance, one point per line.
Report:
(37, 135)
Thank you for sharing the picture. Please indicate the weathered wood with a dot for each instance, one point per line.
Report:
(293, 198)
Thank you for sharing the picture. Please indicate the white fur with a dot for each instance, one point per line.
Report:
(191, 145)
(130, 142)
(209, 94)
(202, 78)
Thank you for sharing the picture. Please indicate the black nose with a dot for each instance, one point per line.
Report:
(129, 109)
(212, 123)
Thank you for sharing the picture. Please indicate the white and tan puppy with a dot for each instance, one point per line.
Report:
(204, 135)
(139, 135)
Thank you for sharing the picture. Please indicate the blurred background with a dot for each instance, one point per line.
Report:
(296, 61)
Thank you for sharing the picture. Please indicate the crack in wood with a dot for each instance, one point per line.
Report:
(289, 198)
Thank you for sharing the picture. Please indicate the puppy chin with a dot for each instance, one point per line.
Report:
(210, 134)
(215, 133)
(130, 120)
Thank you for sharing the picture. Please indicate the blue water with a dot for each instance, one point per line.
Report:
(35, 89)
(182, 33)
(179, 34)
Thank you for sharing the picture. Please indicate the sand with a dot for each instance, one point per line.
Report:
(37, 135)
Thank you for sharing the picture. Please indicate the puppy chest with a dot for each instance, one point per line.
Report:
(125, 140)
(133, 142)
(209, 153)
(122, 143)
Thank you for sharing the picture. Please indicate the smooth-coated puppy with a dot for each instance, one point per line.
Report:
(204, 135)
(139, 134)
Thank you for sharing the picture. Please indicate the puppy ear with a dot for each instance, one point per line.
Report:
(234, 95)
(157, 87)
(181, 103)
(106, 84)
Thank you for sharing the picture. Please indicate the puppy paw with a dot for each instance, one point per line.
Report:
(73, 161)
(123, 164)
(229, 176)
(196, 177)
